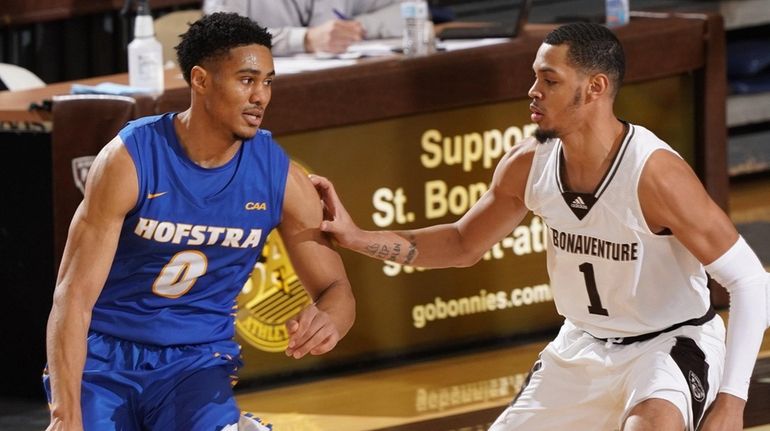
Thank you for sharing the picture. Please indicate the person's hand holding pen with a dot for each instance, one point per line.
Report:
(334, 36)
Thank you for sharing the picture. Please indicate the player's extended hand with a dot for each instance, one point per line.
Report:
(311, 331)
(333, 36)
(725, 414)
(337, 221)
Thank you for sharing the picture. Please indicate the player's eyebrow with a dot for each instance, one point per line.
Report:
(253, 71)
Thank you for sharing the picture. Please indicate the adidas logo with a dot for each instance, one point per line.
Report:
(578, 203)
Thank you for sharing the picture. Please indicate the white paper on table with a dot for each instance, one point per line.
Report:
(307, 63)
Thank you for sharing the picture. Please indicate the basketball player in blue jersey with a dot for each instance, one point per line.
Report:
(630, 231)
(176, 211)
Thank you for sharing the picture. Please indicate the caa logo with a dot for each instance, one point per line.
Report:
(256, 206)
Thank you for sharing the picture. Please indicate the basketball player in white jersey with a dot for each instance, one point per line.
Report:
(630, 230)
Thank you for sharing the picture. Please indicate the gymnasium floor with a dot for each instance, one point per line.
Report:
(459, 393)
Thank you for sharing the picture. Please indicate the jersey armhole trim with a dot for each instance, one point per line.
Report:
(136, 159)
(530, 176)
(646, 225)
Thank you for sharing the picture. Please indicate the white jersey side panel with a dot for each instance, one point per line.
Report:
(610, 275)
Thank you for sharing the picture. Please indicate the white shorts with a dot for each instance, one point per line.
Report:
(582, 383)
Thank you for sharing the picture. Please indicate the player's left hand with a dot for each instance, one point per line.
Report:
(311, 331)
(725, 414)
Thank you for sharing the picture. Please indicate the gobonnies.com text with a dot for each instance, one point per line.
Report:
(441, 309)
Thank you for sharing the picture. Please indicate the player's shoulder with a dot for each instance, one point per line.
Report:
(143, 123)
(112, 179)
(665, 179)
(519, 158)
(143, 132)
(263, 141)
(666, 170)
(513, 170)
(264, 138)
(264, 134)
(660, 160)
(114, 152)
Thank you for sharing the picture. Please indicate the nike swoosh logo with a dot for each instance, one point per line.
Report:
(155, 195)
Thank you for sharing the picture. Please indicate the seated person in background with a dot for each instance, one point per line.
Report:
(313, 26)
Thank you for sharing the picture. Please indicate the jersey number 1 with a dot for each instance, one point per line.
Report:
(595, 306)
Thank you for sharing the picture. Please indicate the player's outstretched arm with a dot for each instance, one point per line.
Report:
(317, 328)
(457, 244)
(111, 191)
(673, 197)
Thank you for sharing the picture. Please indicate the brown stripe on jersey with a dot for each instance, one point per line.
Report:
(535, 368)
(610, 174)
(559, 162)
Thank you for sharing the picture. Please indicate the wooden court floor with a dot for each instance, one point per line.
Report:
(463, 393)
(466, 392)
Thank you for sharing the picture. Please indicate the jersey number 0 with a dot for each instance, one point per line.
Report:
(180, 274)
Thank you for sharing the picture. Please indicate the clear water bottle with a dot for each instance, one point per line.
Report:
(417, 37)
(145, 54)
(617, 12)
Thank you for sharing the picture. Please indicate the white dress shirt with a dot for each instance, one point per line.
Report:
(287, 20)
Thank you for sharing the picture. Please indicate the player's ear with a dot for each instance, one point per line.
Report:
(598, 85)
(199, 78)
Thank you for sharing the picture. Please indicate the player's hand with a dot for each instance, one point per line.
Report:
(725, 414)
(333, 36)
(337, 222)
(311, 331)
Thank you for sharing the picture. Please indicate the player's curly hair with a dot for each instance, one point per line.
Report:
(214, 36)
(592, 48)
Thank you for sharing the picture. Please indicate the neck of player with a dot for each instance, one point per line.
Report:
(205, 148)
(589, 151)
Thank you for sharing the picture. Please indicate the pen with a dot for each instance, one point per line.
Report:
(340, 15)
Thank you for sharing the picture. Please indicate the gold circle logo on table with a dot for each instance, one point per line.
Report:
(272, 295)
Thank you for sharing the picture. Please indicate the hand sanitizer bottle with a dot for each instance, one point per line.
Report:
(145, 54)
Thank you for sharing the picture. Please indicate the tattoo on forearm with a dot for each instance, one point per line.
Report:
(382, 251)
(412, 252)
(372, 249)
(395, 252)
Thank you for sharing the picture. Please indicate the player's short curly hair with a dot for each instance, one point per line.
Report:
(214, 36)
(592, 48)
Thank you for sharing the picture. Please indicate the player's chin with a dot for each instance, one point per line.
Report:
(245, 134)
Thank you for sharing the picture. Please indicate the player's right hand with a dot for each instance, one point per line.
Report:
(337, 222)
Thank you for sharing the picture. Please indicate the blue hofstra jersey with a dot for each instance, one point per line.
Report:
(189, 245)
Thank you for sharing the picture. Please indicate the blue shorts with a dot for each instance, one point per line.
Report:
(131, 386)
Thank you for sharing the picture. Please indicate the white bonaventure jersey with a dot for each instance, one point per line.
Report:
(610, 274)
